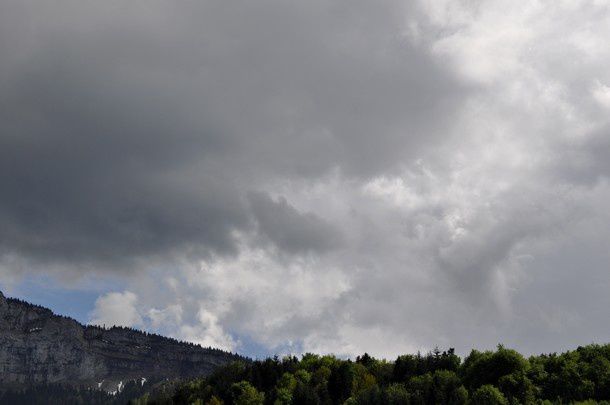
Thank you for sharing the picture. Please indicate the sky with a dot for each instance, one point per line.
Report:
(336, 177)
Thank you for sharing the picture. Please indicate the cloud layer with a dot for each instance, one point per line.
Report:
(314, 176)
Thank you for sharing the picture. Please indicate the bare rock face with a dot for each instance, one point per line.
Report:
(37, 346)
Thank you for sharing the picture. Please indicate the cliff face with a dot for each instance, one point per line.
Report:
(37, 346)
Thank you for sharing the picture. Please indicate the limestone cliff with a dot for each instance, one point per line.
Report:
(37, 346)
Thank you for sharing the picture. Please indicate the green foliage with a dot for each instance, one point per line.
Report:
(243, 393)
(407, 366)
(215, 401)
(482, 368)
(459, 396)
(396, 394)
(574, 376)
(488, 395)
(518, 388)
(341, 381)
(283, 396)
(447, 388)
(502, 376)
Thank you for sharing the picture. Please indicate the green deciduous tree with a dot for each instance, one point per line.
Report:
(243, 393)
(488, 395)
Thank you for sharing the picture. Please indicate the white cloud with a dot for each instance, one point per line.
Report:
(116, 309)
(169, 317)
(601, 93)
(207, 332)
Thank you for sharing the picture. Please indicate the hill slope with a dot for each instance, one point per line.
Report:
(39, 347)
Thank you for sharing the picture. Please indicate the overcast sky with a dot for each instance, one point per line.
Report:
(334, 176)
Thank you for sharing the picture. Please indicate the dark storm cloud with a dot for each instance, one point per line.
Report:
(92, 168)
(291, 230)
(130, 130)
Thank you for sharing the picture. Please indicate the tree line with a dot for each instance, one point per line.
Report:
(502, 376)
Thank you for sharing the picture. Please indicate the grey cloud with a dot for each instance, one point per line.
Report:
(131, 130)
(94, 173)
(291, 230)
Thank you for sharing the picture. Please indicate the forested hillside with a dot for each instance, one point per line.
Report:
(62, 394)
(38, 347)
(502, 376)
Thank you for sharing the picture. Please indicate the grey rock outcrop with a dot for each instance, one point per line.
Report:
(37, 346)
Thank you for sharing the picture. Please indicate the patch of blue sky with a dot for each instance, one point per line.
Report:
(73, 301)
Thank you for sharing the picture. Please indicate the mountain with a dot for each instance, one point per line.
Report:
(39, 347)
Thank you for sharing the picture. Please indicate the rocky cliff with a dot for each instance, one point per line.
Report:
(37, 346)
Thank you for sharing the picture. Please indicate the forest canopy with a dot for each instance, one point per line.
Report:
(502, 376)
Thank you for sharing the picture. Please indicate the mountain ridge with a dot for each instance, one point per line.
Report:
(38, 346)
